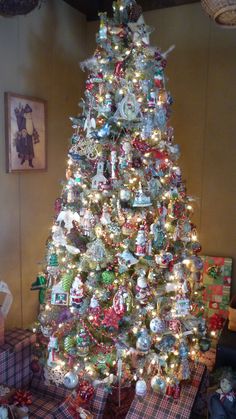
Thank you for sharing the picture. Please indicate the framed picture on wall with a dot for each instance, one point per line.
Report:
(25, 126)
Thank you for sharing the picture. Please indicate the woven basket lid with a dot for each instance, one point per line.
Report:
(223, 12)
(17, 7)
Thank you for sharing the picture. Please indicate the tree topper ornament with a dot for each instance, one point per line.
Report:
(140, 31)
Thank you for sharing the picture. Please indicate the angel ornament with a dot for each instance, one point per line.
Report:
(128, 108)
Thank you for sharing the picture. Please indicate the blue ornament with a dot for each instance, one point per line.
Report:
(183, 349)
(104, 131)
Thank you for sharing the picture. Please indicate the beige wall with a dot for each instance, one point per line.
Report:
(39, 57)
(39, 54)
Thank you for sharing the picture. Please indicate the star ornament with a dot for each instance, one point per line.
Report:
(140, 31)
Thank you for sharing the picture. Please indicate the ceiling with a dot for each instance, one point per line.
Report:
(91, 7)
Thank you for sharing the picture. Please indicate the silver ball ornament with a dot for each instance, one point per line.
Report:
(141, 388)
(70, 380)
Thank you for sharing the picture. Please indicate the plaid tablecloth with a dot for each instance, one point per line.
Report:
(15, 358)
(161, 407)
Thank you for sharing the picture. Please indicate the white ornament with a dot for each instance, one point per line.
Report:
(127, 258)
(141, 200)
(7, 302)
(70, 380)
(105, 218)
(68, 217)
(140, 30)
(85, 147)
(128, 108)
(99, 179)
(87, 222)
(113, 164)
(52, 349)
(157, 325)
(72, 249)
(58, 236)
(94, 302)
(141, 388)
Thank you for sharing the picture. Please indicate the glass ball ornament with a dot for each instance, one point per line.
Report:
(70, 380)
(204, 344)
(158, 384)
(141, 388)
(157, 325)
(144, 341)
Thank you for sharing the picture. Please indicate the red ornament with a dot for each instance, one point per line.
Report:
(89, 84)
(216, 322)
(22, 398)
(119, 71)
(170, 390)
(85, 390)
(111, 319)
(176, 391)
(57, 205)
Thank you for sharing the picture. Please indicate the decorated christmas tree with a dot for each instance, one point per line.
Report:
(122, 264)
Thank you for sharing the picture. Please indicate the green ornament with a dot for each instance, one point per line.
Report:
(108, 277)
(67, 280)
(53, 260)
(69, 343)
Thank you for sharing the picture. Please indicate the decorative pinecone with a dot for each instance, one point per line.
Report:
(135, 12)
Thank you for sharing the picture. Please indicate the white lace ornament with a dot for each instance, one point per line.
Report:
(55, 375)
(86, 147)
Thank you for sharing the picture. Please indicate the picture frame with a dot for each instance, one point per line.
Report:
(26, 133)
(60, 298)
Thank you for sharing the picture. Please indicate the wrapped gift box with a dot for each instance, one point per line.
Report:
(216, 279)
(15, 358)
(155, 405)
(51, 401)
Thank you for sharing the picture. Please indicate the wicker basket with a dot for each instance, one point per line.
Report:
(223, 12)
